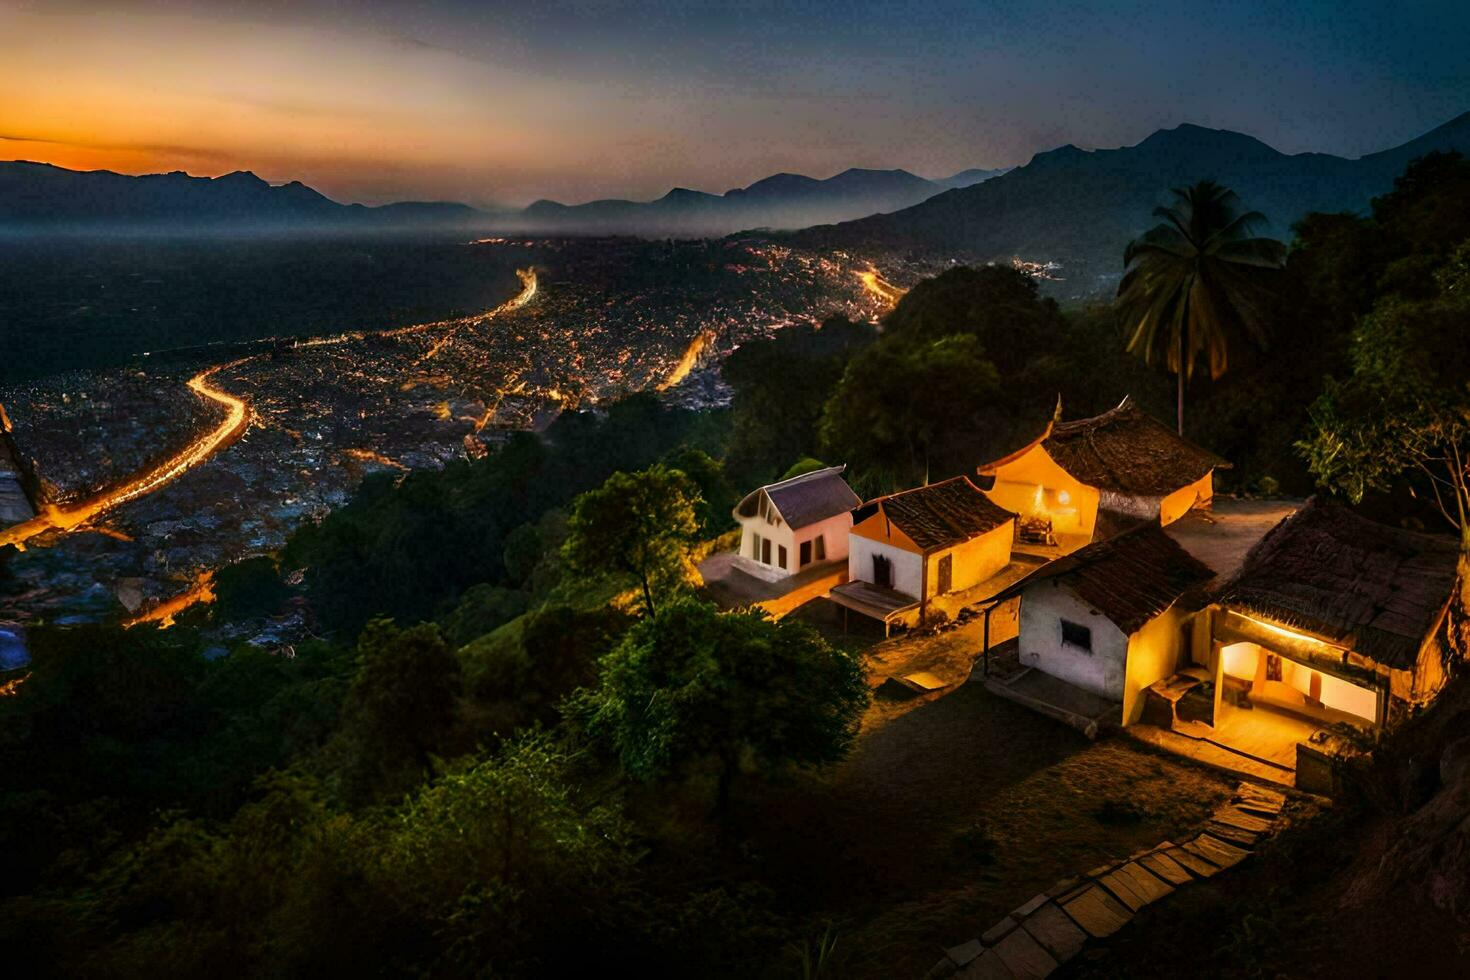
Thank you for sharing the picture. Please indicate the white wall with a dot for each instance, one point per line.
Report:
(835, 532)
(778, 534)
(1103, 671)
(908, 567)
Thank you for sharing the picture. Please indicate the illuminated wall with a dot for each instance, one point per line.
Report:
(1102, 669)
(1293, 690)
(1154, 653)
(1034, 485)
(1198, 494)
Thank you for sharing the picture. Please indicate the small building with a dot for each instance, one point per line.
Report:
(1335, 618)
(906, 548)
(796, 524)
(1110, 619)
(1092, 477)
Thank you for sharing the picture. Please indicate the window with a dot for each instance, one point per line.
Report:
(1076, 635)
(806, 555)
(781, 555)
(821, 548)
(766, 550)
(755, 546)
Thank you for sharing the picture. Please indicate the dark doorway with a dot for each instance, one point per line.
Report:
(806, 554)
(946, 575)
(882, 572)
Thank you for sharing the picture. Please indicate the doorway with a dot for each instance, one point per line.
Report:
(882, 572)
(946, 575)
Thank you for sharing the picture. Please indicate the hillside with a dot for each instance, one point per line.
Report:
(1080, 207)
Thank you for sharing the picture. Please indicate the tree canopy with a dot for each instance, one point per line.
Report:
(641, 524)
(1192, 286)
(691, 685)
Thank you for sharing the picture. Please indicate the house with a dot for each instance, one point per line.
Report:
(798, 523)
(1110, 619)
(906, 548)
(1335, 618)
(1091, 477)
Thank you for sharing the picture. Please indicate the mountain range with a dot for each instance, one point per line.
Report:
(781, 201)
(42, 196)
(1080, 208)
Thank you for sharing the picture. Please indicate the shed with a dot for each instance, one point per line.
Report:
(792, 525)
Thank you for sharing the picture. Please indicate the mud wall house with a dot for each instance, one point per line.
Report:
(1092, 477)
(906, 548)
(1111, 618)
(795, 524)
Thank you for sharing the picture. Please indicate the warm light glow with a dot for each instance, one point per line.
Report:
(1063, 497)
(878, 286)
(1293, 634)
(202, 591)
(688, 361)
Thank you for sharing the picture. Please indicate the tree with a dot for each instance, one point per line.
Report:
(1192, 285)
(638, 523)
(780, 387)
(691, 685)
(399, 711)
(716, 498)
(904, 404)
(1405, 408)
(999, 306)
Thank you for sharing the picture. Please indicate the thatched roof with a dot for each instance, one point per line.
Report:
(1127, 451)
(939, 515)
(806, 499)
(1130, 578)
(1329, 572)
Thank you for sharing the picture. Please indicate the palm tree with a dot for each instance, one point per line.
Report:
(1192, 284)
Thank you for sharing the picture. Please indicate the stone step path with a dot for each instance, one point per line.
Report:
(1054, 926)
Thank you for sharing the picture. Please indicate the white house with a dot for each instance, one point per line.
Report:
(908, 547)
(796, 524)
(1108, 618)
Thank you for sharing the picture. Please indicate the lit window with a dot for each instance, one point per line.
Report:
(1063, 497)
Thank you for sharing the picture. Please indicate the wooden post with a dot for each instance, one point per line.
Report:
(985, 663)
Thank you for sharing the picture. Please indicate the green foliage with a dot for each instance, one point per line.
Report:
(691, 685)
(399, 713)
(1000, 307)
(404, 549)
(716, 497)
(1193, 285)
(640, 524)
(801, 467)
(482, 609)
(248, 589)
(520, 679)
(906, 409)
(1403, 411)
(500, 861)
(780, 387)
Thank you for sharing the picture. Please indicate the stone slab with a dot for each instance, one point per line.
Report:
(1188, 859)
(1234, 817)
(1148, 887)
(964, 952)
(1167, 868)
(1216, 851)
(1232, 835)
(1064, 886)
(986, 966)
(1024, 956)
(1058, 934)
(1036, 902)
(998, 931)
(1098, 913)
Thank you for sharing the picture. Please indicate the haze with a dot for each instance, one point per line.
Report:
(503, 103)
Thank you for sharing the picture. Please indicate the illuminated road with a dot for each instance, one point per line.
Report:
(878, 286)
(236, 420)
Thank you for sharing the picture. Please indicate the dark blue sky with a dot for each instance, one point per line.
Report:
(493, 101)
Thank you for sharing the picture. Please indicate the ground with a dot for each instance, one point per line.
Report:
(956, 807)
(1222, 536)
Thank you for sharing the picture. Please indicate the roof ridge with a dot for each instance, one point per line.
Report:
(824, 471)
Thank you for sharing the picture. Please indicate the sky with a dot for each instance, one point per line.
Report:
(503, 103)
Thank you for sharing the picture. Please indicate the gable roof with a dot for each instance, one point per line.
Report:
(1129, 578)
(805, 499)
(1333, 573)
(1124, 450)
(939, 515)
